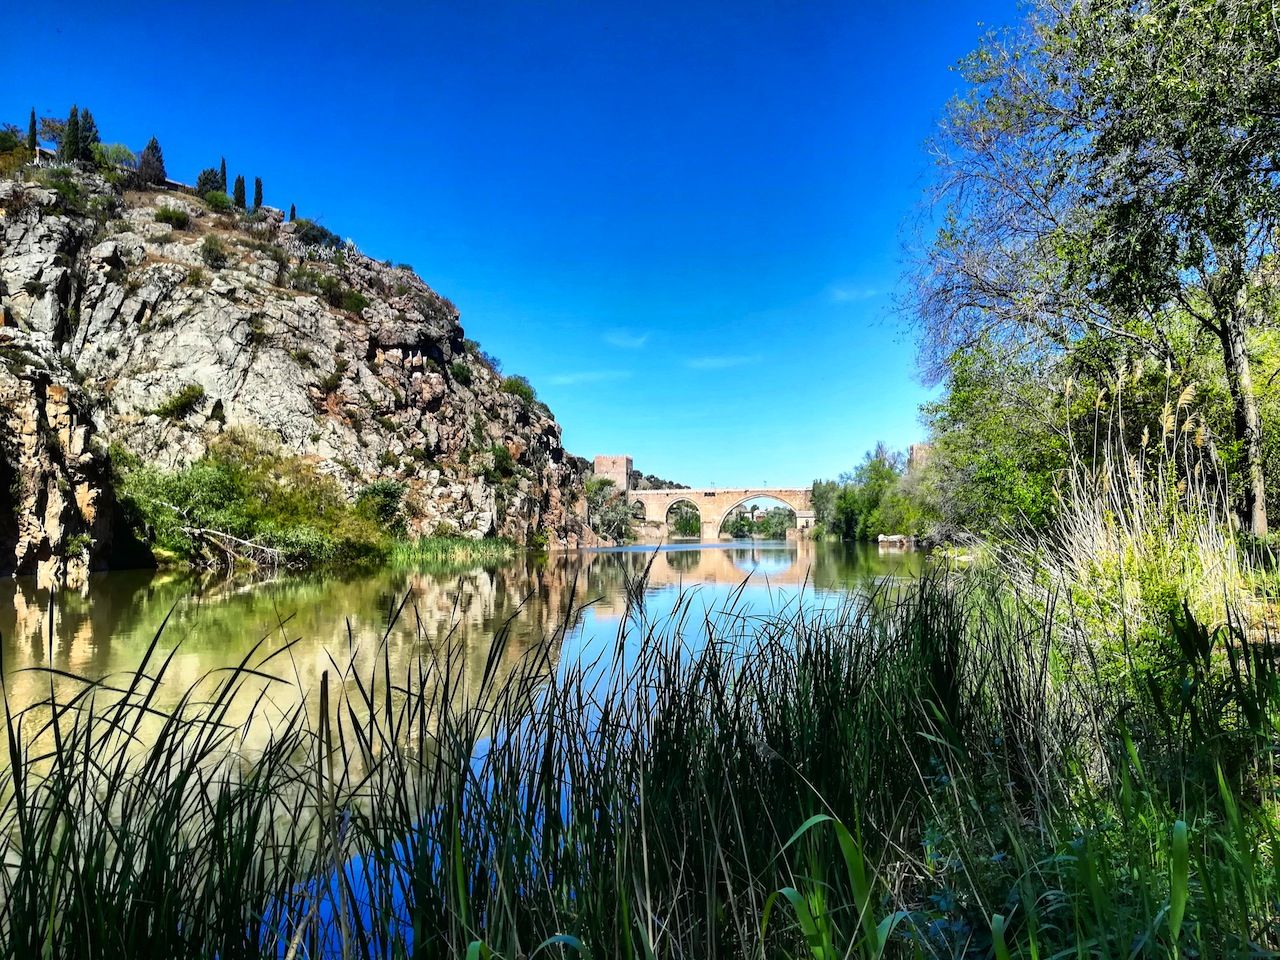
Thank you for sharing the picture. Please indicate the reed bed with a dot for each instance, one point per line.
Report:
(460, 552)
(918, 772)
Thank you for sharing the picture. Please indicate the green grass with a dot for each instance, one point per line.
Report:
(453, 551)
(923, 773)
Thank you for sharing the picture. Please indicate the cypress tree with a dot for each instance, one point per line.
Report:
(151, 163)
(32, 141)
(69, 149)
(239, 193)
(293, 212)
(257, 192)
(88, 135)
(222, 173)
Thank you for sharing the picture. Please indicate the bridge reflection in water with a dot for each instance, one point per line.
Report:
(537, 601)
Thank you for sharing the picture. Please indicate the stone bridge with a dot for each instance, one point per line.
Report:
(714, 506)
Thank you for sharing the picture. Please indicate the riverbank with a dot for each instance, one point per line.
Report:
(935, 768)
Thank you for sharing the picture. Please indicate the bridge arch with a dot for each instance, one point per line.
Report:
(713, 505)
(779, 501)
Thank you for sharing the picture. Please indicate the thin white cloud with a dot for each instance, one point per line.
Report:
(721, 362)
(587, 376)
(626, 339)
(852, 294)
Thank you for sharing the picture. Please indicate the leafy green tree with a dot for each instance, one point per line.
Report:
(112, 155)
(151, 163)
(257, 192)
(684, 520)
(607, 510)
(69, 148)
(52, 130)
(32, 141)
(238, 196)
(209, 181)
(1112, 169)
(89, 137)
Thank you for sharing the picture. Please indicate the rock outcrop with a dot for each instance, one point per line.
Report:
(158, 336)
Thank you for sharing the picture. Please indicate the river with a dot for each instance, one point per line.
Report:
(567, 605)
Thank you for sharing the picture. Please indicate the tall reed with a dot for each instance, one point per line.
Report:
(898, 776)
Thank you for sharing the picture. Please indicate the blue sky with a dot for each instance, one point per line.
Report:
(683, 221)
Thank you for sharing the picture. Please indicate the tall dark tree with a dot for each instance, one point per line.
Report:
(151, 163)
(222, 174)
(257, 192)
(69, 149)
(88, 135)
(293, 212)
(238, 196)
(32, 140)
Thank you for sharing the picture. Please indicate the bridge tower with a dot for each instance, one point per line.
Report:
(617, 469)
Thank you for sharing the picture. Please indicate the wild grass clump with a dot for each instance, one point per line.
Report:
(895, 776)
(453, 551)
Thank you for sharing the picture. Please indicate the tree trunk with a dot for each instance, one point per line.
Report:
(1247, 421)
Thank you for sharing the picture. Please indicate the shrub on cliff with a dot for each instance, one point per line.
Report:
(181, 404)
(178, 219)
(520, 387)
(245, 488)
(314, 235)
(218, 201)
(214, 252)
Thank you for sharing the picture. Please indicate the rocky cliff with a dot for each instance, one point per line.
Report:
(149, 320)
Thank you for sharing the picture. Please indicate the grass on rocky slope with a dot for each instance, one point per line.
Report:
(927, 774)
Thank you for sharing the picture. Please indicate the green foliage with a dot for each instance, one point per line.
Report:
(110, 156)
(353, 301)
(218, 201)
(684, 520)
(460, 373)
(69, 148)
(608, 512)
(878, 497)
(257, 192)
(222, 175)
(383, 502)
(503, 464)
(214, 252)
(174, 217)
(293, 212)
(208, 181)
(182, 404)
(237, 195)
(32, 139)
(248, 490)
(519, 387)
(89, 137)
(151, 163)
(312, 234)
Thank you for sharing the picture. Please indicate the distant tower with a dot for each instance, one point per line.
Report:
(617, 469)
(918, 456)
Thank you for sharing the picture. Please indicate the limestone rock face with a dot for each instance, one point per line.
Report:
(353, 363)
(55, 499)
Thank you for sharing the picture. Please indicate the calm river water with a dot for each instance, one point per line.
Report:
(573, 601)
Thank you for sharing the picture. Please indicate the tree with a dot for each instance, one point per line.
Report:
(238, 196)
(208, 181)
(293, 212)
(1112, 170)
(69, 148)
(257, 192)
(52, 130)
(151, 163)
(684, 519)
(607, 511)
(89, 137)
(110, 155)
(222, 176)
(32, 141)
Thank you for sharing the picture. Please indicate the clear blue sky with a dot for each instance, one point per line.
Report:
(682, 221)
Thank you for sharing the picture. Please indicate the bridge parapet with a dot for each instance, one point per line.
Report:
(714, 506)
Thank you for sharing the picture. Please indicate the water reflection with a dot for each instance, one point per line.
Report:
(539, 602)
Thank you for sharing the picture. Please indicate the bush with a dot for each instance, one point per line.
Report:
(181, 404)
(520, 387)
(312, 234)
(178, 219)
(353, 301)
(383, 502)
(504, 465)
(218, 201)
(214, 252)
(460, 372)
(248, 489)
